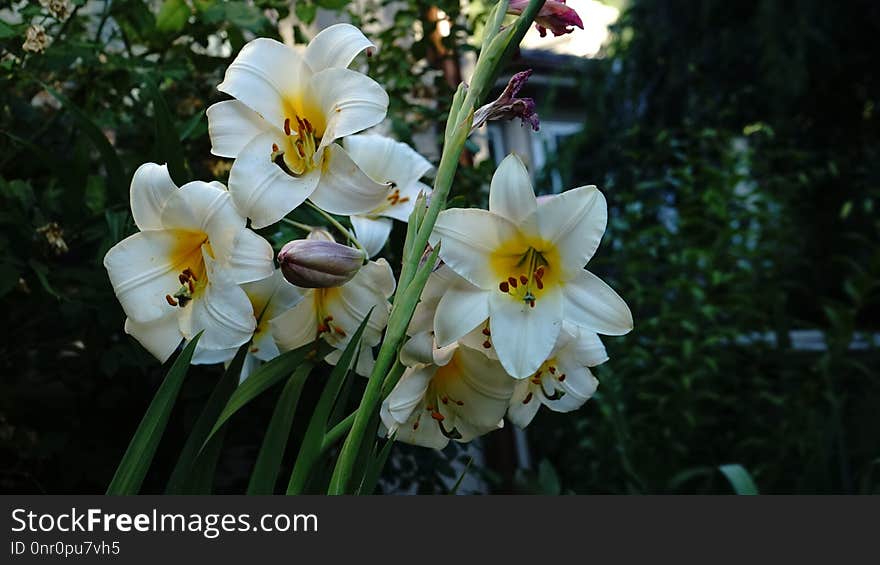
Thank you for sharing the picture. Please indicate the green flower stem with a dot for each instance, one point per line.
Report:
(413, 279)
(298, 225)
(335, 223)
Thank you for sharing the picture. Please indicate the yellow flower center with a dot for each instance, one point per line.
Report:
(438, 400)
(525, 269)
(187, 259)
(304, 126)
(327, 327)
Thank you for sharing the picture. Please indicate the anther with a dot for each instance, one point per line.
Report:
(562, 377)
(486, 332)
(528, 398)
(445, 400)
(487, 344)
(552, 369)
(539, 283)
(438, 416)
(274, 148)
(170, 300)
(339, 331)
(286, 126)
(511, 281)
(523, 279)
(504, 287)
(182, 278)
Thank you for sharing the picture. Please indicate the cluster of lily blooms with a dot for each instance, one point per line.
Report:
(508, 320)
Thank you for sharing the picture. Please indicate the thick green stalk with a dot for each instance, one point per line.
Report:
(413, 280)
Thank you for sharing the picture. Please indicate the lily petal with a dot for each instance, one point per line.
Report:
(482, 386)
(575, 221)
(224, 313)
(372, 233)
(510, 193)
(336, 47)
(160, 337)
(265, 75)
(593, 305)
(418, 350)
(350, 101)
(263, 191)
(522, 411)
(298, 326)
(387, 160)
(344, 188)
(151, 186)
(251, 258)
(231, 126)
(207, 208)
(460, 310)
(524, 336)
(469, 239)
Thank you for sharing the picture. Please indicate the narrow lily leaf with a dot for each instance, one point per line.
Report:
(109, 156)
(201, 476)
(205, 422)
(739, 479)
(374, 468)
(261, 379)
(461, 477)
(265, 473)
(310, 449)
(139, 455)
(167, 147)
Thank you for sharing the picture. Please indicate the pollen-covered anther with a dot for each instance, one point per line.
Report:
(512, 282)
(486, 332)
(527, 399)
(170, 300)
(286, 126)
(561, 377)
(438, 416)
(487, 344)
(504, 287)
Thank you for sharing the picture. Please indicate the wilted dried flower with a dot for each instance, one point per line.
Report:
(554, 15)
(55, 236)
(36, 39)
(507, 106)
(58, 8)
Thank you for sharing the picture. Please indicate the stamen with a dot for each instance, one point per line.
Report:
(438, 416)
(562, 377)
(170, 300)
(486, 332)
(286, 126)
(527, 399)
(487, 344)
(504, 287)
(523, 279)
(511, 281)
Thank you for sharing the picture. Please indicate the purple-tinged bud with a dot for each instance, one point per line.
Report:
(554, 15)
(318, 263)
(508, 106)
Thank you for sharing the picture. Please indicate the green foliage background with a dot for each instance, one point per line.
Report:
(737, 144)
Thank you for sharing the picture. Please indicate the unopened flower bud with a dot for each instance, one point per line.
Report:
(318, 263)
(554, 15)
(508, 106)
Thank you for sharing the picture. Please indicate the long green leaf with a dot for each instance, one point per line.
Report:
(201, 476)
(314, 436)
(263, 378)
(214, 405)
(739, 479)
(110, 158)
(139, 455)
(265, 473)
(374, 468)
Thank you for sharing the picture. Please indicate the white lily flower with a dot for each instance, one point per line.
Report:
(269, 297)
(391, 162)
(334, 314)
(180, 274)
(288, 110)
(563, 382)
(526, 264)
(454, 393)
